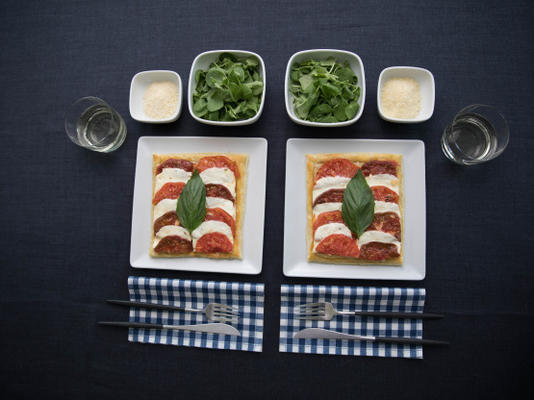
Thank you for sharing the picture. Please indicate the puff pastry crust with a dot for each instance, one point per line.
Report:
(313, 163)
(242, 162)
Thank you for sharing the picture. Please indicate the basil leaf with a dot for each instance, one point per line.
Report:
(191, 205)
(358, 207)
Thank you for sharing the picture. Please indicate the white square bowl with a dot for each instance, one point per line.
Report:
(296, 262)
(140, 83)
(355, 63)
(424, 78)
(203, 61)
(253, 222)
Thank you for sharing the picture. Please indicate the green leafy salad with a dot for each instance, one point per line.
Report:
(324, 91)
(230, 90)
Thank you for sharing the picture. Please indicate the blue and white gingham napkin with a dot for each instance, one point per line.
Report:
(345, 298)
(249, 297)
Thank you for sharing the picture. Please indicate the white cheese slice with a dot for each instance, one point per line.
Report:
(163, 207)
(224, 204)
(171, 230)
(378, 236)
(210, 227)
(385, 207)
(330, 229)
(326, 207)
(387, 180)
(329, 183)
(171, 175)
(219, 176)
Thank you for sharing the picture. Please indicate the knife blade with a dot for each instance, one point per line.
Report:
(221, 329)
(319, 333)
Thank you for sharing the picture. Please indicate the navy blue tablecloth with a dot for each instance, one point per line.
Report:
(66, 212)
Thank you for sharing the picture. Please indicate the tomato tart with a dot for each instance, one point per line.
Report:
(208, 186)
(355, 208)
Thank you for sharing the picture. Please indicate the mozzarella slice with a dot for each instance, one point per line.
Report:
(171, 230)
(385, 207)
(211, 227)
(171, 175)
(163, 207)
(330, 229)
(326, 207)
(378, 236)
(219, 176)
(328, 183)
(224, 204)
(387, 180)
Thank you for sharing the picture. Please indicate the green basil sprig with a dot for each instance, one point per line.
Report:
(191, 205)
(358, 207)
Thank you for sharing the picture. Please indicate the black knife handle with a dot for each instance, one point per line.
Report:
(398, 340)
(131, 324)
(386, 314)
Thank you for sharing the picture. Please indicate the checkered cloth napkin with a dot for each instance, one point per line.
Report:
(346, 298)
(197, 294)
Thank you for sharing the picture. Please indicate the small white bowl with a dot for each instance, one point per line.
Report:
(203, 61)
(426, 83)
(140, 83)
(355, 63)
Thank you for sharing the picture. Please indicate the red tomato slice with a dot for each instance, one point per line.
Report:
(218, 214)
(173, 245)
(382, 193)
(377, 167)
(214, 242)
(326, 218)
(217, 162)
(337, 167)
(171, 190)
(175, 163)
(376, 251)
(338, 245)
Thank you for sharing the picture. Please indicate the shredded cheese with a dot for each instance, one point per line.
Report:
(160, 100)
(401, 98)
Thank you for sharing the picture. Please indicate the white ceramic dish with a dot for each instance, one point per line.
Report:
(295, 252)
(139, 84)
(426, 83)
(256, 148)
(321, 54)
(203, 61)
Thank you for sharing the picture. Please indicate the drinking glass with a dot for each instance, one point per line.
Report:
(477, 134)
(92, 123)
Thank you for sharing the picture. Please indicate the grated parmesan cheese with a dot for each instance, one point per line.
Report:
(401, 98)
(160, 99)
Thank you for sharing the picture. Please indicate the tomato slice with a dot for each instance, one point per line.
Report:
(376, 251)
(175, 163)
(377, 167)
(337, 167)
(382, 193)
(215, 190)
(386, 222)
(326, 218)
(217, 162)
(338, 245)
(218, 214)
(214, 242)
(330, 196)
(171, 190)
(173, 245)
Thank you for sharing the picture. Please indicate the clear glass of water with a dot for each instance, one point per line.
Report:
(477, 134)
(91, 123)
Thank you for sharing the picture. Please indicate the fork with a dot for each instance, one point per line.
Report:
(326, 311)
(213, 311)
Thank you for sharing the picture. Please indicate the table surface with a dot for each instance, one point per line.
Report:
(66, 211)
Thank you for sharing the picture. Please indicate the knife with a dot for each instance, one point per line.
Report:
(319, 333)
(222, 329)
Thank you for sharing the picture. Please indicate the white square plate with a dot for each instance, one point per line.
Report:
(256, 148)
(295, 253)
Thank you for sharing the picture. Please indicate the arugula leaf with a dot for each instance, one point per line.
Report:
(358, 207)
(314, 83)
(229, 90)
(191, 205)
